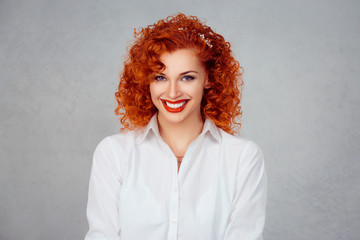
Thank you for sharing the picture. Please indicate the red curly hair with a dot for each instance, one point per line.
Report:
(222, 95)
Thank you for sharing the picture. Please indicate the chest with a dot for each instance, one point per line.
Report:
(154, 195)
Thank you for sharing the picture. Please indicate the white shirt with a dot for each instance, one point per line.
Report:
(137, 193)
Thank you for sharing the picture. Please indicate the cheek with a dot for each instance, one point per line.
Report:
(155, 91)
(152, 89)
(197, 92)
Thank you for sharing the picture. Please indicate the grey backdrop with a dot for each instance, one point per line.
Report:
(59, 62)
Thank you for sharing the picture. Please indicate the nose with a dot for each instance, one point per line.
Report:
(173, 89)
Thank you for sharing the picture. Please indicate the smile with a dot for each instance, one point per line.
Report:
(175, 107)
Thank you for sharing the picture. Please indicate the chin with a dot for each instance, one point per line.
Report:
(172, 117)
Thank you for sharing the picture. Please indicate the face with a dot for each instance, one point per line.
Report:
(177, 91)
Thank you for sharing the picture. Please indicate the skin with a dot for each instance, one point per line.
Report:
(184, 78)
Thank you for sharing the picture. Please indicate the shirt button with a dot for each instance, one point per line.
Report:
(173, 221)
(175, 189)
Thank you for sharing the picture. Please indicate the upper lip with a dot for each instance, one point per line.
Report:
(175, 102)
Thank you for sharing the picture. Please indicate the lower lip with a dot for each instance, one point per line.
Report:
(174, 110)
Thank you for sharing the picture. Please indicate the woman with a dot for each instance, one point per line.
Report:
(178, 172)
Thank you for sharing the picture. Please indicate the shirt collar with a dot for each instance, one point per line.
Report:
(152, 125)
(209, 126)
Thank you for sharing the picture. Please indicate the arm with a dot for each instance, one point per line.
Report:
(104, 189)
(247, 218)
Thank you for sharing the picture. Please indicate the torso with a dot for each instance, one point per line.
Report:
(179, 159)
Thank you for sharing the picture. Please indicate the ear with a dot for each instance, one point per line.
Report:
(207, 83)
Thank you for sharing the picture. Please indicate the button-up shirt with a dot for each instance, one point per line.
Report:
(137, 193)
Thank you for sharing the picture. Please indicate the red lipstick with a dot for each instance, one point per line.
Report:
(174, 110)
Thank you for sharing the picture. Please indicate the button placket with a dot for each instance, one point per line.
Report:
(175, 195)
(174, 207)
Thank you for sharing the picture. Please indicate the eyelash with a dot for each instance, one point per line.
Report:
(188, 78)
(160, 78)
(185, 78)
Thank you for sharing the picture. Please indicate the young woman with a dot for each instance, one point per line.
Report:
(177, 172)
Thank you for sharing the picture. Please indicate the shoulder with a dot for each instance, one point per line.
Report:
(116, 145)
(113, 152)
(240, 143)
(122, 140)
(246, 160)
(244, 150)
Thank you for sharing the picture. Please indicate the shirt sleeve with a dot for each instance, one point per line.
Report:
(247, 218)
(104, 190)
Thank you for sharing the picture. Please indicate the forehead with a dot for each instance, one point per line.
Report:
(181, 59)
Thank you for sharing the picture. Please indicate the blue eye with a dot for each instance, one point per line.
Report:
(188, 78)
(160, 78)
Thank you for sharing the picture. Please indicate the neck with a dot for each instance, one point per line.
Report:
(179, 135)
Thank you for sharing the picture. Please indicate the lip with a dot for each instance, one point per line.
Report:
(174, 110)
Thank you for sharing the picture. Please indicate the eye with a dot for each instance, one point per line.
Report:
(188, 78)
(159, 78)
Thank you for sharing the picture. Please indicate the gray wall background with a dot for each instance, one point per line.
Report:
(59, 62)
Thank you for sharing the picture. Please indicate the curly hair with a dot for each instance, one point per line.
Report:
(221, 96)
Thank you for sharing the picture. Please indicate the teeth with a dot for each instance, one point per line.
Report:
(176, 105)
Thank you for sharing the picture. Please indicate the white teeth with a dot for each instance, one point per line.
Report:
(176, 105)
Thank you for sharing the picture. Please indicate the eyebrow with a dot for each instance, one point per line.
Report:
(181, 74)
(191, 71)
